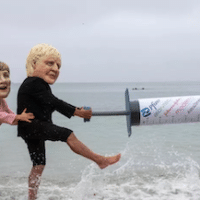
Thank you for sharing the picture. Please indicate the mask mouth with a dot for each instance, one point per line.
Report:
(3, 87)
(53, 75)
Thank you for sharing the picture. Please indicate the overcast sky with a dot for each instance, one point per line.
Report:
(105, 40)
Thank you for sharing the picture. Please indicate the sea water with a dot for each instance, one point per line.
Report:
(159, 162)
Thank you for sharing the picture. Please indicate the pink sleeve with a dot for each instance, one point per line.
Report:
(6, 115)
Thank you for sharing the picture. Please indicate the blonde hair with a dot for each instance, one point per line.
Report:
(4, 66)
(36, 53)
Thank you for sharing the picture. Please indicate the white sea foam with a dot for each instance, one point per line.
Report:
(130, 180)
(175, 181)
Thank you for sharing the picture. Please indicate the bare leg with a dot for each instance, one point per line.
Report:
(79, 148)
(34, 181)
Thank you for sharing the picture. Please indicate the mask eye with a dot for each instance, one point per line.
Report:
(6, 75)
(50, 63)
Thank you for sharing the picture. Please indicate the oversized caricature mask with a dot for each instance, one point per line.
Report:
(4, 80)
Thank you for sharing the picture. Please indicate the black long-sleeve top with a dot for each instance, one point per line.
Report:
(36, 95)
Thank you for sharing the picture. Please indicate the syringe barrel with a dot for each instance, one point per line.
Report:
(168, 110)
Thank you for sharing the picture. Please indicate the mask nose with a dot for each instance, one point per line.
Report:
(2, 79)
(55, 68)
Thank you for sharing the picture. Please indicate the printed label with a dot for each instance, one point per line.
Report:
(169, 110)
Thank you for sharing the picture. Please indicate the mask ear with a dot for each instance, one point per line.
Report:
(33, 64)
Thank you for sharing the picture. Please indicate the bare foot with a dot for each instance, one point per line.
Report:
(106, 161)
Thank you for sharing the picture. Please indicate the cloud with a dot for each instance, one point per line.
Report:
(100, 40)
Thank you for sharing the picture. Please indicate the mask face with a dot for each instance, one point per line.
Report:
(48, 69)
(4, 83)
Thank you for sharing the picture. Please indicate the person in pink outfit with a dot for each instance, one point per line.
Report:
(6, 115)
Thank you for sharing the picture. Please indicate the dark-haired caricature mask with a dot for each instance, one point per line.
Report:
(4, 82)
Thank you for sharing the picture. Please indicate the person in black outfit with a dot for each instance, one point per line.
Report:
(43, 64)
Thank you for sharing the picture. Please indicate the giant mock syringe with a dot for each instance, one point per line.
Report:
(164, 110)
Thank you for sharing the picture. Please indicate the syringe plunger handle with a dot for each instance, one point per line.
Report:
(86, 108)
(130, 117)
(106, 113)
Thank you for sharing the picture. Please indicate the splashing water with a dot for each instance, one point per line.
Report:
(153, 179)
